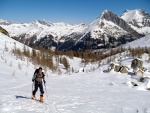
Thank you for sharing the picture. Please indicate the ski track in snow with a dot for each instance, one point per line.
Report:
(79, 93)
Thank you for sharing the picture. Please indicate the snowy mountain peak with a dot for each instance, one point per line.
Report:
(137, 17)
(5, 22)
(42, 22)
(62, 24)
(129, 15)
(126, 10)
(111, 17)
(106, 13)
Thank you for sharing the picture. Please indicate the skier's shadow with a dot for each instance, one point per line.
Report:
(21, 97)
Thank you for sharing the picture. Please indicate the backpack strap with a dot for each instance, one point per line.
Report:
(35, 73)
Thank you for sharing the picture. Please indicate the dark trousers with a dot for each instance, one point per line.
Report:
(36, 85)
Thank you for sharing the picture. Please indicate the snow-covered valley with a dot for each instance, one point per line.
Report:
(82, 92)
(85, 93)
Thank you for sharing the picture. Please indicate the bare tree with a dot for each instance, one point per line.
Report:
(59, 71)
(5, 61)
(72, 70)
(14, 73)
(19, 66)
(65, 63)
(6, 48)
(28, 64)
(26, 72)
(10, 63)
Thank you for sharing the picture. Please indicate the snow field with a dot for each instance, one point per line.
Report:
(83, 92)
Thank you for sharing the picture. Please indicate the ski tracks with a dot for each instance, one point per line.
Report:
(52, 108)
(15, 87)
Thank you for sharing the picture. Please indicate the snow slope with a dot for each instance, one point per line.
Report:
(131, 15)
(10, 43)
(92, 92)
(109, 28)
(102, 28)
(138, 19)
(142, 42)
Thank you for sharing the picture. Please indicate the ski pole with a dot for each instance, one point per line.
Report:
(46, 90)
(32, 86)
(32, 89)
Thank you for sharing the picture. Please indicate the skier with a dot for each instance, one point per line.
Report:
(37, 79)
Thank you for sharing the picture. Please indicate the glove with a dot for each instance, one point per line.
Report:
(44, 82)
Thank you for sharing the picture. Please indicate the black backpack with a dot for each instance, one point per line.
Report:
(36, 71)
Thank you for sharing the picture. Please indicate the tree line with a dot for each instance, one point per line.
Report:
(52, 58)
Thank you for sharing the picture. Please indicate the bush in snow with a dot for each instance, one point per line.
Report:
(137, 63)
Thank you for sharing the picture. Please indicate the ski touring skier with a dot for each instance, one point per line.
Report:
(38, 79)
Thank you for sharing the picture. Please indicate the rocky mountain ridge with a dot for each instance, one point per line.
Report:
(109, 30)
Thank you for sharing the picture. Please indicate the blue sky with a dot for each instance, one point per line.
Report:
(68, 11)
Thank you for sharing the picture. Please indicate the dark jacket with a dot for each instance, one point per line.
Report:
(38, 78)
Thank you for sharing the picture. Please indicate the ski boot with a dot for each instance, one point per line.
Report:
(33, 96)
(41, 98)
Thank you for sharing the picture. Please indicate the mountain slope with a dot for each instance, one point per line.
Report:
(142, 42)
(35, 33)
(107, 31)
(138, 19)
(42, 28)
(109, 16)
